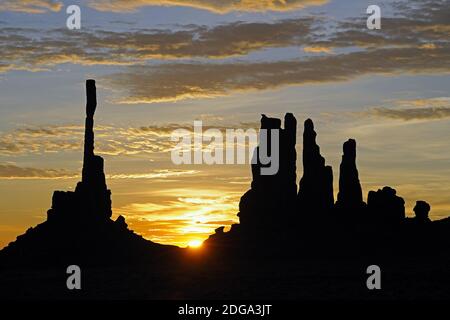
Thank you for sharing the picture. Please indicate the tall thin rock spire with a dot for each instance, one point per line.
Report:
(91, 105)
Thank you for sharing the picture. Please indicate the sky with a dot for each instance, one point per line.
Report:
(162, 64)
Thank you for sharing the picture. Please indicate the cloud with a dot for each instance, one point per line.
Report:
(149, 84)
(10, 171)
(33, 50)
(110, 140)
(40, 140)
(24, 49)
(69, 138)
(413, 40)
(420, 109)
(217, 6)
(318, 50)
(412, 114)
(31, 6)
(14, 172)
(156, 174)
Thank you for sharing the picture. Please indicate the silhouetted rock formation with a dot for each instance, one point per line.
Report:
(78, 225)
(91, 197)
(288, 162)
(316, 185)
(385, 206)
(421, 210)
(273, 218)
(93, 181)
(271, 194)
(350, 193)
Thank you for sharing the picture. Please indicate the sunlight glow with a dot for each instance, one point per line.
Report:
(195, 244)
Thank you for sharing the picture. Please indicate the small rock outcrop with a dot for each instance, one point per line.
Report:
(385, 206)
(421, 210)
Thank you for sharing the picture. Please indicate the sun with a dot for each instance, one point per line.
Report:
(195, 244)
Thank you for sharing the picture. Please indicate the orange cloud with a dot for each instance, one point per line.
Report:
(110, 140)
(418, 109)
(318, 50)
(217, 6)
(31, 6)
(10, 171)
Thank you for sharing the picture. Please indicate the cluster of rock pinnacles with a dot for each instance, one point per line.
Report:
(273, 202)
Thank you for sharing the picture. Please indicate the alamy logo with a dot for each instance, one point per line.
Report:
(374, 280)
(374, 20)
(74, 20)
(237, 147)
(74, 280)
